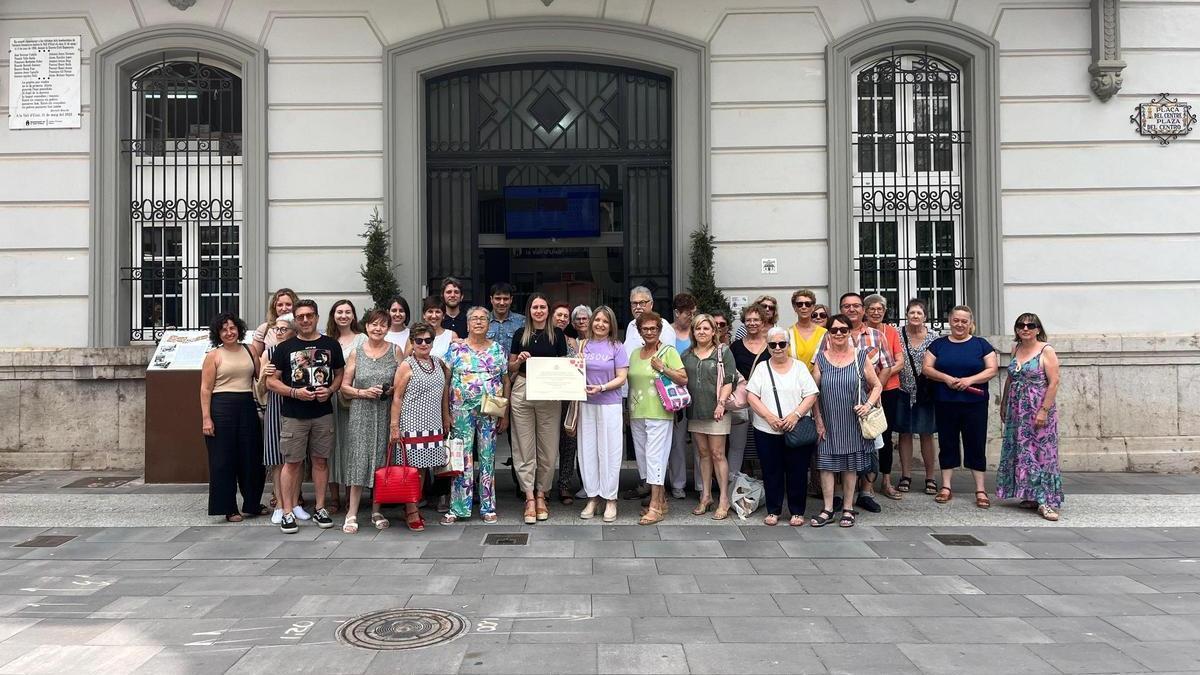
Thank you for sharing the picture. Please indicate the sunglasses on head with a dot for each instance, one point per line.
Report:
(777, 345)
(803, 303)
(1027, 325)
(422, 341)
(838, 330)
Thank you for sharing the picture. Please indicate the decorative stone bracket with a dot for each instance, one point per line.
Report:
(1106, 64)
(182, 5)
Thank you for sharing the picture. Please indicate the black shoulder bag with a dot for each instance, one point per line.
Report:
(805, 431)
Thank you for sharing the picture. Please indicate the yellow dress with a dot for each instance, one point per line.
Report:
(804, 350)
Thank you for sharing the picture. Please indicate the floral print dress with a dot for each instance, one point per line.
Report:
(1029, 456)
(473, 374)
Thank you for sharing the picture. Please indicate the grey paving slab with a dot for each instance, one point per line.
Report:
(452, 549)
(304, 658)
(588, 630)
(443, 659)
(364, 567)
(192, 660)
(1175, 603)
(1163, 656)
(52, 631)
(629, 533)
(704, 565)
(1121, 534)
(222, 568)
(1001, 605)
(835, 534)
(507, 583)
(177, 632)
(136, 534)
(265, 585)
(673, 630)
(1151, 628)
(545, 566)
(678, 549)
(9, 652)
(866, 567)
(641, 658)
(975, 658)
(18, 534)
(1012, 584)
(753, 549)
(604, 549)
(516, 658)
(1087, 658)
(827, 549)
(403, 585)
(939, 565)
(291, 550)
(344, 605)
(1025, 567)
(1094, 605)
(61, 607)
(391, 550)
(1093, 583)
(966, 630)
(325, 585)
(922, 585)
(814, 604)
(454, 567)
(228, 550)
(728, 584)
(743, 658)
(903, 549)
(595, 584)
(1170, 583)
(79, 659)
(833, 583)
(535, 549)
(758, 533)
(1000, 549)
(725, 604)
(647, 604)
(699, 533)
(10, 627)
(784, 566)
(876, 629)
(1079, 629)
(758, 629)
(663, 583)
(256, 606)
(872, 658)
(908, 605)
(1128, 550)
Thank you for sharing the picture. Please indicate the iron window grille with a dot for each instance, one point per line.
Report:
(182, 159)
(909, 147)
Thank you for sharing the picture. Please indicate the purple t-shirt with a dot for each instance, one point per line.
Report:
(602, 359)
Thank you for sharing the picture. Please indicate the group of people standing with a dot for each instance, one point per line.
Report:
(377, 390)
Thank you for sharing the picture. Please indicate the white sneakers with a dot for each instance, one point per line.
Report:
(300, 513)
(277, 517)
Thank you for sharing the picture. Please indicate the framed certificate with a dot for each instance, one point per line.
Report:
(555, 379)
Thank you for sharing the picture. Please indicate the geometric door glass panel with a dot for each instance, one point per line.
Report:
(910, 149)
(181, 148)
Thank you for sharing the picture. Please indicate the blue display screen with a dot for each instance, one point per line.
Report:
(551, 211)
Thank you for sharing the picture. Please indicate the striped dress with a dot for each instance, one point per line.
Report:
(843, 448)
(271, 424)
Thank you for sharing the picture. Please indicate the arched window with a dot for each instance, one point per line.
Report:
(914, 188)
(183, 157)
(908, 145)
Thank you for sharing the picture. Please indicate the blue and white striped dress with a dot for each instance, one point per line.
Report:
(844, 448)
(271, 423)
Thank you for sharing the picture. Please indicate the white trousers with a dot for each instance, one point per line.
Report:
(601, 442)
(652, 445)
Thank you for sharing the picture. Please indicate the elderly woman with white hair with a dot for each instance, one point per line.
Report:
(782, 393)
(568, 447)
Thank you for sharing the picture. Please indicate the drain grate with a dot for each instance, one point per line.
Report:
(100, 482)
(402, 629)
(506, 539)
(958, 540)
(45, 541)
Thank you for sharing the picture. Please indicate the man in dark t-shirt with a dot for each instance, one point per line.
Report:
(454, 314)
(308, 370)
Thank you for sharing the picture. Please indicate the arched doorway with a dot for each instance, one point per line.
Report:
(556, 177)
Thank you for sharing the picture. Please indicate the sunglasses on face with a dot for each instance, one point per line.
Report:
(1027, 325)
(722, 324)
(422, 341)
(777, 345)
(768, 306)
(803, 303)
(820, 315)
(839, 330)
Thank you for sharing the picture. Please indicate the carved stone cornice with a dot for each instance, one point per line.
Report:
(1106, 64)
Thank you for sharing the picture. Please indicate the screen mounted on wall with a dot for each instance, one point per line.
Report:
(551, 211)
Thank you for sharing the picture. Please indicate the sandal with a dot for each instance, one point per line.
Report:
(274, 502)
(796, 521)
(653, 515)
(530, 514)
(234, 518)
(823, 518)
(982, 502)
(380, 521)
(930, 486)
(448, 519)
(414, 521)
(351, 525)
(566, 498)
(543, 512)
(490, 518)
(943, 498)
(1048, 513)
(721, 513)
(262, 511)
(892, 493)
(904, 484)
(771, 519)
(701, 508)
(335, 503)
(847, 519)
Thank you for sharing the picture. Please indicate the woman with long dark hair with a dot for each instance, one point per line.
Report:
(343, 326)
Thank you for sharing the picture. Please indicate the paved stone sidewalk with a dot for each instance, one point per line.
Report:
(587, 598)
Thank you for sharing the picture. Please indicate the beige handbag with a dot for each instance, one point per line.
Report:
(874, 423)
(493, 406)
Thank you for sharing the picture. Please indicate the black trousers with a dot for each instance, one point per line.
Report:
(234, 455)
(889, 401)
(967, 421)
(785, 471)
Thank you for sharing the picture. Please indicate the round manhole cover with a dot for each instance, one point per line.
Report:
(402, 628)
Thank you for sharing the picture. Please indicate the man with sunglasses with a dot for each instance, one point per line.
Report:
(308, 369)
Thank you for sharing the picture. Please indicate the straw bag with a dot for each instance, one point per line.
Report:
(874, 423)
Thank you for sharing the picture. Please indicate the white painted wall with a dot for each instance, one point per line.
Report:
(1091, 212)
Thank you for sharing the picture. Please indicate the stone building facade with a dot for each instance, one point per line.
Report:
(973, 151)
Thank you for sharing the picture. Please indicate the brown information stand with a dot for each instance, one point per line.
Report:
(175, 451)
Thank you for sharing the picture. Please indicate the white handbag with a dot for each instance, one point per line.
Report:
(874, 423)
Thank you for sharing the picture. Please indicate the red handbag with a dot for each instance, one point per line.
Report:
(397, 484)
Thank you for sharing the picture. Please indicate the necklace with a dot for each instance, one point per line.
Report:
(421, 365)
